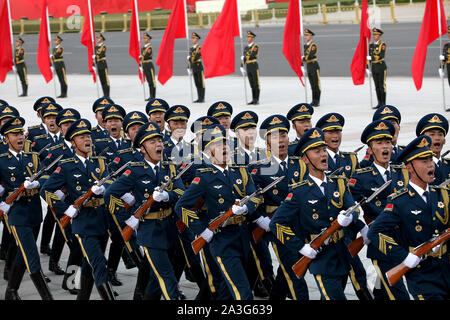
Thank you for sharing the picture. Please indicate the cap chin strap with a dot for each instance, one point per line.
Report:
(418, 176)
(313, 163)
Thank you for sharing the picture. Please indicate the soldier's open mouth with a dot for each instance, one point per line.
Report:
(430, 173)
(113, 129)
(385, 153)
(323, 161)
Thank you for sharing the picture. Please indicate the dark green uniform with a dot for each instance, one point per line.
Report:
(60, 69)
(196, 65)
(377, 51)
(250, 60)
(313, 70)
(102, 67)
(19, 61)
(149, 68)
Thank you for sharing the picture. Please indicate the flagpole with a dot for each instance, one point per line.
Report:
(50, 47)
(139, 40)
(187, 43)
(440, 52)
(12, 47)
(242, 49)
(93, 44)
(305, 75)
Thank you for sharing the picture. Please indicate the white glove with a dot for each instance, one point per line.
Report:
(188, 57)
(93, 56)
(303, 70)
(98, 190)
(207, 235)
(71, 212)
(61, 196)
(132, 222)
(441, 73)
(263, 222)
(441, 57)
(368, 73)
(2, 190)
(14, 68)
(411, 260)
(242, 58)
(307, 251)
(51, 57)
(369, 58)
(31, 185)
(160, 196)
(4, 207)
(128, 198)
(140, 57)
(238, 210)
(94, 68)
(53, 69)
(243, 71)
(189, 71)
(344, 220)
(363, 232)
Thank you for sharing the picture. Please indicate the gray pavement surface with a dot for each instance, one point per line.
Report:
(336, 42)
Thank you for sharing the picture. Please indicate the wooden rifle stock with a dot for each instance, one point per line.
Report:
(13, 196)
(199, 242)
(128, 231)
(396, 273)
(259, 232)
(355, 246)
(78, 204)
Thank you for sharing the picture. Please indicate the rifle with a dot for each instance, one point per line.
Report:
(88, 194)
(445, 153)
(43, 149)
(301, 265)
(397, 272)
(128, 231)
(199, 242)
(358, 149)
(13, 196)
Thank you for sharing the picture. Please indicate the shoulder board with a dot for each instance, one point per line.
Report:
(293, 142)
(42, 136)
(398, 166)
(4, 154)
(125, 150)
(295, 158)
(337, 177)
(238, 166)
(262, 161)
(56, 147)
(102, 140)
(98, 157)
(298, 184)
(446, 160)
(68, 160)
(398, 193)
(168, 163)
(347, 152)
(137, 164)
(437, 187)
(364, 170)
(202, 170)
(34, 127)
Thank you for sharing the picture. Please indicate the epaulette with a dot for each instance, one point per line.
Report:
(363, 170)
(168, 163)
(34, 127)
(398, 166)
(137, 164)
(446, 160)
(293, 142)
(438, 187)
(42, 136)
(202, 170)
(298, 184)
(102, 140)
(98, 157)
(56, 147)
(337, 177)
(295, 158)
(4, 154)
(237, 166)
(398, 193)
(258, 162)
(347, 152)
(126, 150)
(68, 160)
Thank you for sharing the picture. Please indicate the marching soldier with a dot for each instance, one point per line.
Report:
(100, 64)
(6, 112)
(147, 65)
(197, 128)
(249, 61)
(392, 114)
(274, 130)
(39, 129)
(25, 215)
(60, 67)
(20, 66)
(378, 137)
(219, 185)
(300, 115)
(435, 126)
(412, 216)
(100, 131)
(377, 51)
(52, 136)
(312, 66)
(195, 67)
(156, 109)
(156, 233)
(89, 223)
(222, 111)
(445, 58)
(311, 206)
(175, 147)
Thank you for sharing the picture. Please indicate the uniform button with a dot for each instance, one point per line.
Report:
(436, 231)
(331, 218)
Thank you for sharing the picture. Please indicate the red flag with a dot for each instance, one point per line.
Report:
(87, 37)
(359, 61)
(291, 38)
(218, 47)
(176, 28)
(6, 51)
(135, 38)
(43, 55)
(429, 32)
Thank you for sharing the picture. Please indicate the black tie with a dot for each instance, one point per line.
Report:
(426, 194)
(157, 171)
(283, 166)
(388, 175)
(324, 185)
(225, 173)
(336, 157)
(55, 138)
(118, 144)
(19, 157)
(438, 164)
(72, 149)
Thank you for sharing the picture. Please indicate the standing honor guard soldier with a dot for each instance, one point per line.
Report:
(249, 60)
(78, 175)
(377, 51)
(100, 64)
(414, 215)
(312, 66)
(20, 67)
(60, 68)
(25, 214)
(147, 65)
(445, 58)
(196, 67)
(311, 206)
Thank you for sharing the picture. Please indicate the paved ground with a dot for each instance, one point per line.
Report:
(336, 42)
